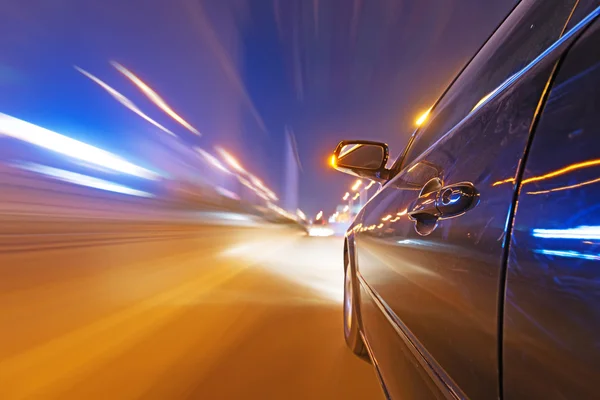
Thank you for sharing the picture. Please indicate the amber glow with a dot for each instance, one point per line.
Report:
(403, 212)
(332, 161)
(387, 217)
(356, 185)
(509, 180)
(356, 196)
(483, 99)
(558, 189)
(559, 172)
(422, 118)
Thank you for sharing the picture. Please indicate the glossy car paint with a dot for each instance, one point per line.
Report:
(552, 311)
(443, 287)
(430, 305)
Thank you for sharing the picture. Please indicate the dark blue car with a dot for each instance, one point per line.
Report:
(475, 271)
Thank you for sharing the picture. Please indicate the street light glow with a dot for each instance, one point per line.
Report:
(346, 196)
(356, 185)
(346, 208)
(422, 118)
(319, 215)
(369, 185)
(356, 196)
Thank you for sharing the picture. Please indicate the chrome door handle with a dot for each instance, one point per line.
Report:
(457, 199)
(437, 202)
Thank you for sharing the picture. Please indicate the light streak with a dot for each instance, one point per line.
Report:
(123, 100)
(580, 232)
(231, 160)
(212, 160)
(154, 97)
(558, 189)
(422, 118)
(61, 144)
(562, 171)
(83, 180)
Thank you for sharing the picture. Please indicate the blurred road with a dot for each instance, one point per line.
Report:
(174, 312)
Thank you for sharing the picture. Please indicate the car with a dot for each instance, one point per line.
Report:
(474, 272)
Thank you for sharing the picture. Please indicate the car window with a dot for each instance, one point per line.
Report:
(531, 28)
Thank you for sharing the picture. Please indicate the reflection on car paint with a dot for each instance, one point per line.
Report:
(580, 232)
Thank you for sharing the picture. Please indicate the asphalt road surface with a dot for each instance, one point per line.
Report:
(174, 312)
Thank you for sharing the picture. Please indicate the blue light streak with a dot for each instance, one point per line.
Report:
(569, 254)
(30, 133)
(581, 232)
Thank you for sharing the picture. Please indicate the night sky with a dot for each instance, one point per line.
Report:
(239, 71)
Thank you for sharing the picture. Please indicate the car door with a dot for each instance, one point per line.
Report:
(551, 348)
(430, 245)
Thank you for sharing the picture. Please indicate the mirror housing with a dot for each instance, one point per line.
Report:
(362, 158)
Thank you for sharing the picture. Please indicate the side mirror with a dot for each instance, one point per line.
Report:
(362, 158)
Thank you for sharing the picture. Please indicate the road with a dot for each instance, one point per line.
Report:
(174, 312)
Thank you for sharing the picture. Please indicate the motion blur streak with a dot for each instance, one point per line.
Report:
(569, 254)
(83, 180)
(154, 97)
(562, 171)
(123, 100)
(172, 311)
(212, 160)
(559, 189)
(581, 232)
(231, 160)
(47, 139)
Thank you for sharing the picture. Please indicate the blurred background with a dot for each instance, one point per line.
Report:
(169, 224)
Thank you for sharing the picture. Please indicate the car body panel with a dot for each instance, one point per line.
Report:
(444, 286)
(416, 382)
(440, 292)
(552, 308)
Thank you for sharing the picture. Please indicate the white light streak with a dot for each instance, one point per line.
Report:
(123, 100)
(581, 232)
(83, 180)
(154, 97)
(61, 144)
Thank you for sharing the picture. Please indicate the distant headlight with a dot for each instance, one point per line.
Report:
(320, 231)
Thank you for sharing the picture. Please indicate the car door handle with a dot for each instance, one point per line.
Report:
(437, 202)
(455, 200)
